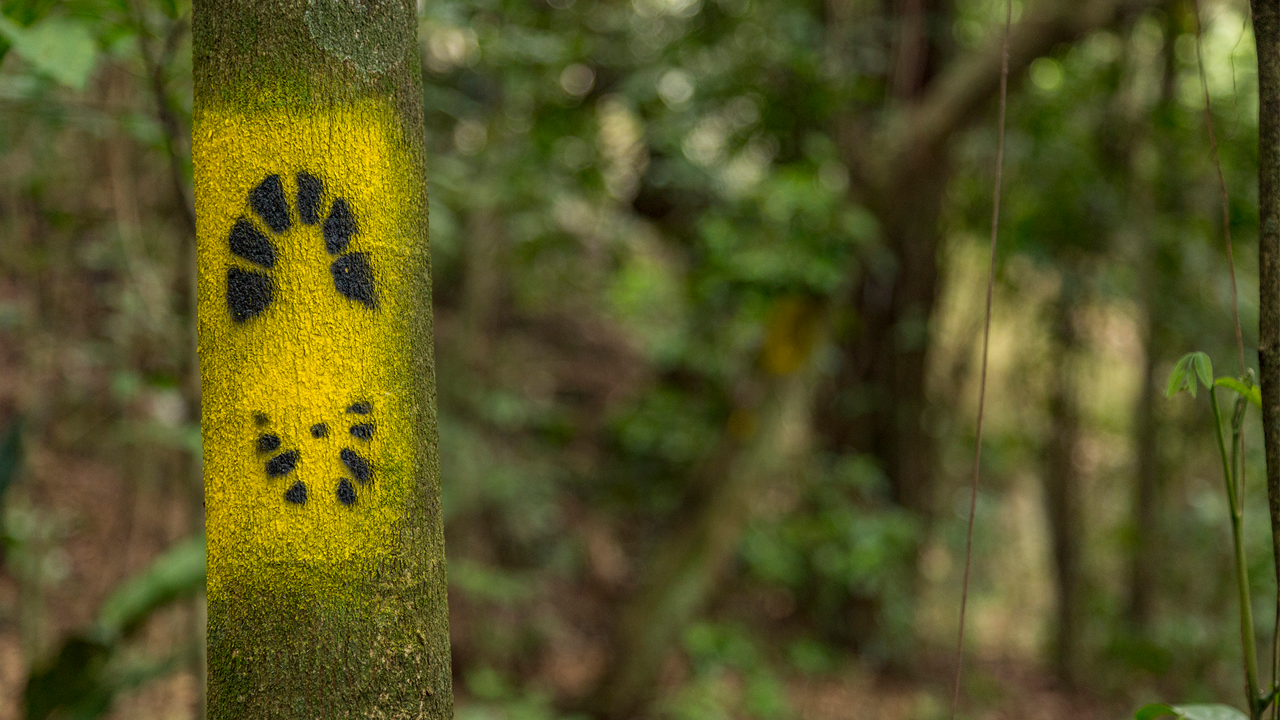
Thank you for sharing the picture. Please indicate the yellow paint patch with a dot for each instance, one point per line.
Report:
(312, 352)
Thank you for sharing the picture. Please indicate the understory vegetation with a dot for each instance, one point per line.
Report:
(709, 279)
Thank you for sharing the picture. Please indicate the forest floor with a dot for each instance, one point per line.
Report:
(89, 527)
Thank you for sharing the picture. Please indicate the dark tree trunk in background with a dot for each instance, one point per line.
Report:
(1062, 476)
(774, 433)
(1143, 568)
(483, 283)
(886, 358)
(879, 403)
(1144, 562)
(1266, 28)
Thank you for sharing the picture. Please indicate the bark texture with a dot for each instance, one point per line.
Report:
(1266, 29)
(327, 589)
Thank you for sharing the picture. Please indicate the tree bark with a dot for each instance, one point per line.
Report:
(1266, 29)
(326, 565)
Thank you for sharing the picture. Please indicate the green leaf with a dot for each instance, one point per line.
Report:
(1180, 379)
(61, 48)
(178, 571)
(1190, 712)
(1190, 367)
(1203, 367)
(1252, 393)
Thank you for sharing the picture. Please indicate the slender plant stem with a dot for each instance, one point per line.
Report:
(1230, 465)
(986, 337)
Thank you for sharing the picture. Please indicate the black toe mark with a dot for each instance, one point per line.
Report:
(297, 493)
(267, 199)
(249, 243)
(363, 431)
(360, 408)
(259, 419)
(282, 464)
(319, 430)
(248, 293)
(268, 442)
(309, 193)
(353, 277)
(346, 493)
(338, 227)
(358, 466)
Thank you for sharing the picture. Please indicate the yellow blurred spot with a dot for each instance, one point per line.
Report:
(789, 335)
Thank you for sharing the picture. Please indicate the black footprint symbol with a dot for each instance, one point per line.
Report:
(250, 292)
(358, 465)
(281, 465)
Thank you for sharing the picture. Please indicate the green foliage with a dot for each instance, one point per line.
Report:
(62, 48)
(177, 572)
(90, 670)
(718, 652)
(1189, 712)
(1249, 391)
(499, 700)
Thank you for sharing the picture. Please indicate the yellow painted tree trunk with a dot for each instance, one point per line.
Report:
(326, 554)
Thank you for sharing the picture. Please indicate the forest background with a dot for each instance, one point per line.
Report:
(708, 295)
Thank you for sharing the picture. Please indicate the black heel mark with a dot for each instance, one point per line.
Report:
(297, 493)
(310, 192)
(267, 199)
(346, 493)
(248, 293)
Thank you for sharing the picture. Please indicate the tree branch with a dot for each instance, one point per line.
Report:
(918, 131)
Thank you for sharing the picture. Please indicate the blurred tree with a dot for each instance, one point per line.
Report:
(795, 150)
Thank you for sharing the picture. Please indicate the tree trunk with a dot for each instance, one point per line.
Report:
(1143, 569)
(1146, 558)
(890, 354)
(1266, 30)
(1062, 478)
(326, 577)
(764, 441)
